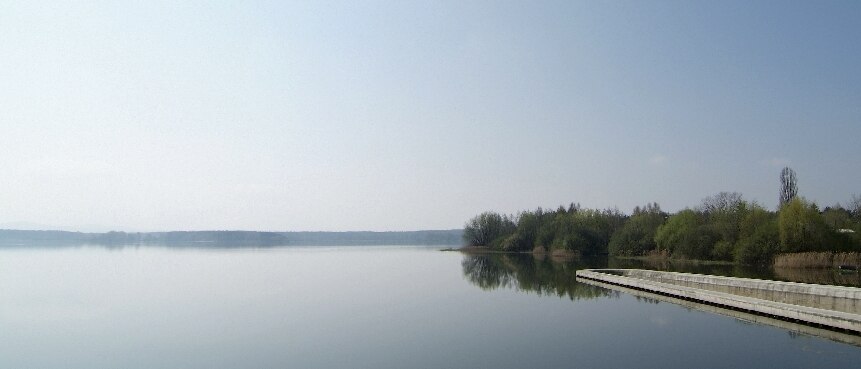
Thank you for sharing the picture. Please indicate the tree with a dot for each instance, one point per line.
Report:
(685, 235)
(759, 237)
(487, 228)
(837, 217)
(788, 186)
(525, 234)
(855, 207)
(843, 227)
(637, 235)
(587, 231)
(722, 202)
(723, 213)
(801, 227)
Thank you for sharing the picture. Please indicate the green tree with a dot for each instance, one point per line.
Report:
(685, 235)
(548, 223)
(580, 231)
(759, 239)
(801, 227)
(487, 229)
(842, 229)
(525, 233)
(836, 217)
(637, 235)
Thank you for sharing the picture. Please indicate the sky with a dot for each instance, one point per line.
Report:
(406, 115)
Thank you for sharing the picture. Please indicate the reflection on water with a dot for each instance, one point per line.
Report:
(546, 276)
(817, 276)
(729, 270)
(523, 272)
(794, 330)
(530, 273)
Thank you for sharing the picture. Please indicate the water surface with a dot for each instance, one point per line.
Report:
(356, 307)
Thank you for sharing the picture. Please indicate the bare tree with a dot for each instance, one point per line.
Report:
(723, 202)
(788, 186)
(855, 206)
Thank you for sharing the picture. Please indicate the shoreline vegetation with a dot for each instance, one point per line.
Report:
(724, 228)
(537, 253)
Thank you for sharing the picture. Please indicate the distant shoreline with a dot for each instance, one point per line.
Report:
(452, 237)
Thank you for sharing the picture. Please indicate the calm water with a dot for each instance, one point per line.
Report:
(356, 307)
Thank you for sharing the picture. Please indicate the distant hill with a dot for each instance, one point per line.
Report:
(229, 238)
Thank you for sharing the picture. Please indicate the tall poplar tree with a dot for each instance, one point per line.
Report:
(788, 186)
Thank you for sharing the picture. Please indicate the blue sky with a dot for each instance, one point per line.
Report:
(416, 115)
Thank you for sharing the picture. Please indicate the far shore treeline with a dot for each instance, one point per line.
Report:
(229, 239)
(723, 227)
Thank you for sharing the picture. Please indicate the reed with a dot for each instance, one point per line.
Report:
(817, 260)
(657, 255)
(847, 258)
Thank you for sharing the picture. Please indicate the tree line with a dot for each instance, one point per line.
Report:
(723, 227)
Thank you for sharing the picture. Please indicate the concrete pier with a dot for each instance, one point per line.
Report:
(841, 336)
(833, 307)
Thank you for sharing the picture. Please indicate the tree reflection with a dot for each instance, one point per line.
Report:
(819, 276)
(526, 273)
(802, 275)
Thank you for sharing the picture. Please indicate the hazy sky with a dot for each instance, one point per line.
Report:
(416, 115)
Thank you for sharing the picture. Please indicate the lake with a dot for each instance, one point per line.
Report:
(361, 307)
